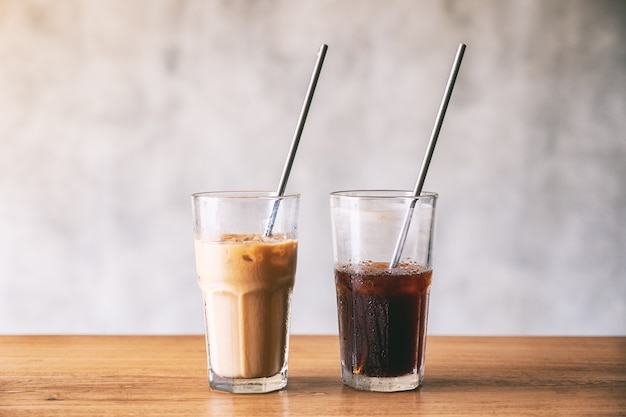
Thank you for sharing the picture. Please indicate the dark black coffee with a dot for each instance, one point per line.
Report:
(382, 317)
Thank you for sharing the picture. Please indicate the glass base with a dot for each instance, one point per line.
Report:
(381, 384)
(248, 385)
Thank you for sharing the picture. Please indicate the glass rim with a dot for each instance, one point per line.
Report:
(244, 194)
(383, 194)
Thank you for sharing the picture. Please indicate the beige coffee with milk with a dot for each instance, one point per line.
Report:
(246, 282)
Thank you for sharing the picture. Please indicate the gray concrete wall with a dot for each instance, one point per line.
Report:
(113, 113)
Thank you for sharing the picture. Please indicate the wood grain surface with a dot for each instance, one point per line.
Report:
(166, 376)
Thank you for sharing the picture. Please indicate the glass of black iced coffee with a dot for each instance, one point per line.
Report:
(382, 307)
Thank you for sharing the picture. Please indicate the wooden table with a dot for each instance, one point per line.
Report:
(166, 375)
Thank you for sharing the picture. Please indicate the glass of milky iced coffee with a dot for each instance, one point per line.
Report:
(382, 308)
(246, 271)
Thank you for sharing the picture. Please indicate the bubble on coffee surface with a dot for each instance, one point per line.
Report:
(369, 268)
(252, 238)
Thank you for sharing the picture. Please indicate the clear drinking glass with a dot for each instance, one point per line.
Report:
(246, 280)
(382, 311)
